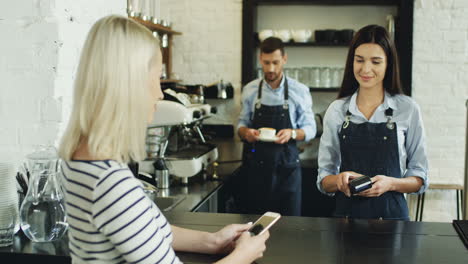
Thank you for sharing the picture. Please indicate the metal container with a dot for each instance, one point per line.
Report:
(162, 179)
(161, 173)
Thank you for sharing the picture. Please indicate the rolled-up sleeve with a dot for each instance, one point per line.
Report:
(329, 157)
(415, 145)
(305, 115)
(246, 107)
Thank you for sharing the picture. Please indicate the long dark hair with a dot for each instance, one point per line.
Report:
(378, 35)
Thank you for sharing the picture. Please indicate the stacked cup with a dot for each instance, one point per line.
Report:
(8, 203)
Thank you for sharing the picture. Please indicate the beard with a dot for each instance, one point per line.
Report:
(271, 76)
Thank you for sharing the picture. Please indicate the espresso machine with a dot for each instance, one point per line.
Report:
(175, 144)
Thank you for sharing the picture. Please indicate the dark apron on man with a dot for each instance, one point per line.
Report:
(271, 171)
(371, 149)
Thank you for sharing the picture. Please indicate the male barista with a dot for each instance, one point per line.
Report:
(271, 171)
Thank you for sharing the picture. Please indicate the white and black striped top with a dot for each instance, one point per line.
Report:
(111, 220)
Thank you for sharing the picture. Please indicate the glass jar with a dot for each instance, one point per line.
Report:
(42, 213)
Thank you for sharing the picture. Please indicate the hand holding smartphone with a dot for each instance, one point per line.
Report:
(264, 223)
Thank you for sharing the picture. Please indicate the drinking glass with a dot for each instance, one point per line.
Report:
(341, 74)
(325, 80)
(7, 228)
(8, 202)
(259, 73)
(304, 76)
(295, 73)
(314, 75)
(335, 77)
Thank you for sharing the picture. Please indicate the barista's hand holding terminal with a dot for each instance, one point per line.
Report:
(372, 129)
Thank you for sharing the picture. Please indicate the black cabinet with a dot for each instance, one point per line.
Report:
(403, 32)
(209, 205)
(314, 203)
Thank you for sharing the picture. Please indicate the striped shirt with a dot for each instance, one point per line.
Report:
(111, 220)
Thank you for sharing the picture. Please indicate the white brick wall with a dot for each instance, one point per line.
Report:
(40, 52)
(440, 86)
(209, 48)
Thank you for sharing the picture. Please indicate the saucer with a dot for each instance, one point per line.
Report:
(266, 139)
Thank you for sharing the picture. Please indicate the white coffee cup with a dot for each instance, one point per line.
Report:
(301, 35)
(283, 34)
(266, 33)
(267, 132)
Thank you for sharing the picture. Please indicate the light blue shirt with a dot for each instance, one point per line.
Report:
(410, 133)
(300, 104)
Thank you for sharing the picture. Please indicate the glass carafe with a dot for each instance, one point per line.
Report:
(42, 213)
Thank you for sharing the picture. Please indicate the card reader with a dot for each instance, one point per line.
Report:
(360, 184)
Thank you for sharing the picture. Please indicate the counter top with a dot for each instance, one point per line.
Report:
(337, 240)
(304, 240)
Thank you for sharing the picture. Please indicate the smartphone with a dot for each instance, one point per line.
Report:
(263, 223)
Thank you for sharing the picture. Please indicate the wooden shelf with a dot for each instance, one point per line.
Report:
(156, 27)
(170, 81)
(166, 49)
(322, 89)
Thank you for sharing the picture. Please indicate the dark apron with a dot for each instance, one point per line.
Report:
(271, 171)
(371, 149)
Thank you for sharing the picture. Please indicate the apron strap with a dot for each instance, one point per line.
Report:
(347, 119)
(259, 95)
(388, 114)
(286, 94)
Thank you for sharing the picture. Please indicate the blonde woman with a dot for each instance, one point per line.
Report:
(111, 219)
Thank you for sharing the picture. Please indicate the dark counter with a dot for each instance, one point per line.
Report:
(304, 240)
(332, 240)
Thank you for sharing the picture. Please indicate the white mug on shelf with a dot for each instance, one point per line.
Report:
(283, 34)
(301, 35)
(264, 34)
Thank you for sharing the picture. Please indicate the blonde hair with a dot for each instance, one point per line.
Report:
(111, 99)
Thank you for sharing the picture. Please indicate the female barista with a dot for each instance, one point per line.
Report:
(372, 129)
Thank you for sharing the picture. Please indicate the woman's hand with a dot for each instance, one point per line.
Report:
(225, 239)
(250, 247)
(343, 179)
(380, 185)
